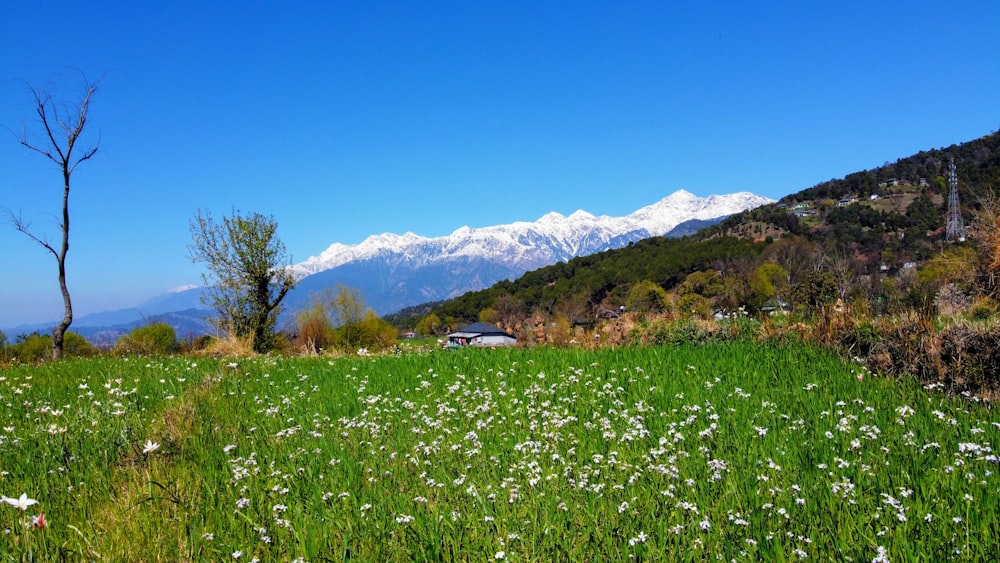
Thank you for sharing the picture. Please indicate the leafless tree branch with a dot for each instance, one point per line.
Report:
(63, 127)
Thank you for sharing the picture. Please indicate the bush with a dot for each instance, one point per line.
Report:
(371, 333)
(964, 356)
(225, 347)
(156, 339)
(862, 339)
(314, 331)
(950, 300)
(694, 306)
(195, 344)
(35, 347)
(683, 331)
(983, 309)
(77, 346)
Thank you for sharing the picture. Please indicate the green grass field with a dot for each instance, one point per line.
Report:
(730, 451)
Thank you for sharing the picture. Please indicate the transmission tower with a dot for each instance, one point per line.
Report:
(955, 227)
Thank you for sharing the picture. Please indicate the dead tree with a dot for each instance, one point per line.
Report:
(62, 125)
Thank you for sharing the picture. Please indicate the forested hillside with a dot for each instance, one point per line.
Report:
(900, 208)
(874, 239)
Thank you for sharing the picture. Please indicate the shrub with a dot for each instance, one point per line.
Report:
(35, 347)
(156, 339)
(983, 309)
(314, 330)
(77, 346)
(862, 339)
(226, 347)
(195, 344)
(695, 306)
(951, 300)
(683, 331)
(371, 333)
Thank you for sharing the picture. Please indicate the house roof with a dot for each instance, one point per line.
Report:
(479, 329)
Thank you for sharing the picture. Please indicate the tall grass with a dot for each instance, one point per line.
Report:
(732, 450)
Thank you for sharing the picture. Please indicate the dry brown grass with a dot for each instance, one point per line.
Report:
(228, 347)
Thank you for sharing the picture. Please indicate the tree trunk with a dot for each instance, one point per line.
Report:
(59, 333)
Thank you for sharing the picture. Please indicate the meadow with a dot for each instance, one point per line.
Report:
(735, 451)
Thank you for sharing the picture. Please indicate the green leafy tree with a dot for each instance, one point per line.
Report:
(62, 127)
(707, 283)
(430, 324)
(347, 310)
(248, 274)
(816, 289)
(647, 297)
(768, 282)
(954, 265)
(347, 305)
(488, 315)
(355, 325)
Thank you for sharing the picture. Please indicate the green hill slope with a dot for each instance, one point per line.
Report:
(865, 236)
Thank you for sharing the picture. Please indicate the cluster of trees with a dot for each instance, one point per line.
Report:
(977, 161)
(338, 319)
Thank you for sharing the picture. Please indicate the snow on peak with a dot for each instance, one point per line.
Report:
(681, 195)
(182, 288)
(550, 239)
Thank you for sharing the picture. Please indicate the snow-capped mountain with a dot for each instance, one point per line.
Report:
(395, 271)
(552, 238)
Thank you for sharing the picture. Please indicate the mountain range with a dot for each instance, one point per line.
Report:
(393, 271)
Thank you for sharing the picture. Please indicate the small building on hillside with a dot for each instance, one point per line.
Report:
(480, 334)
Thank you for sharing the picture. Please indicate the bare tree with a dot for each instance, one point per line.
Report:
(62, 126)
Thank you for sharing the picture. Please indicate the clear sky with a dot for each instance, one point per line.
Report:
(346, 119)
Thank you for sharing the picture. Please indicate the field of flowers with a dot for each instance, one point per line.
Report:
(728, 451)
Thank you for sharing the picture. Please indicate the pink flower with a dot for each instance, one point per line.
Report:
(39, 521)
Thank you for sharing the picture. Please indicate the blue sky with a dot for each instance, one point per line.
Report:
(345, 119)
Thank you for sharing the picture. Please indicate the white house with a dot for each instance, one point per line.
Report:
(481, 334)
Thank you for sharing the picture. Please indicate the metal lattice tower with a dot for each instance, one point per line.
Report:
(955, 227)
